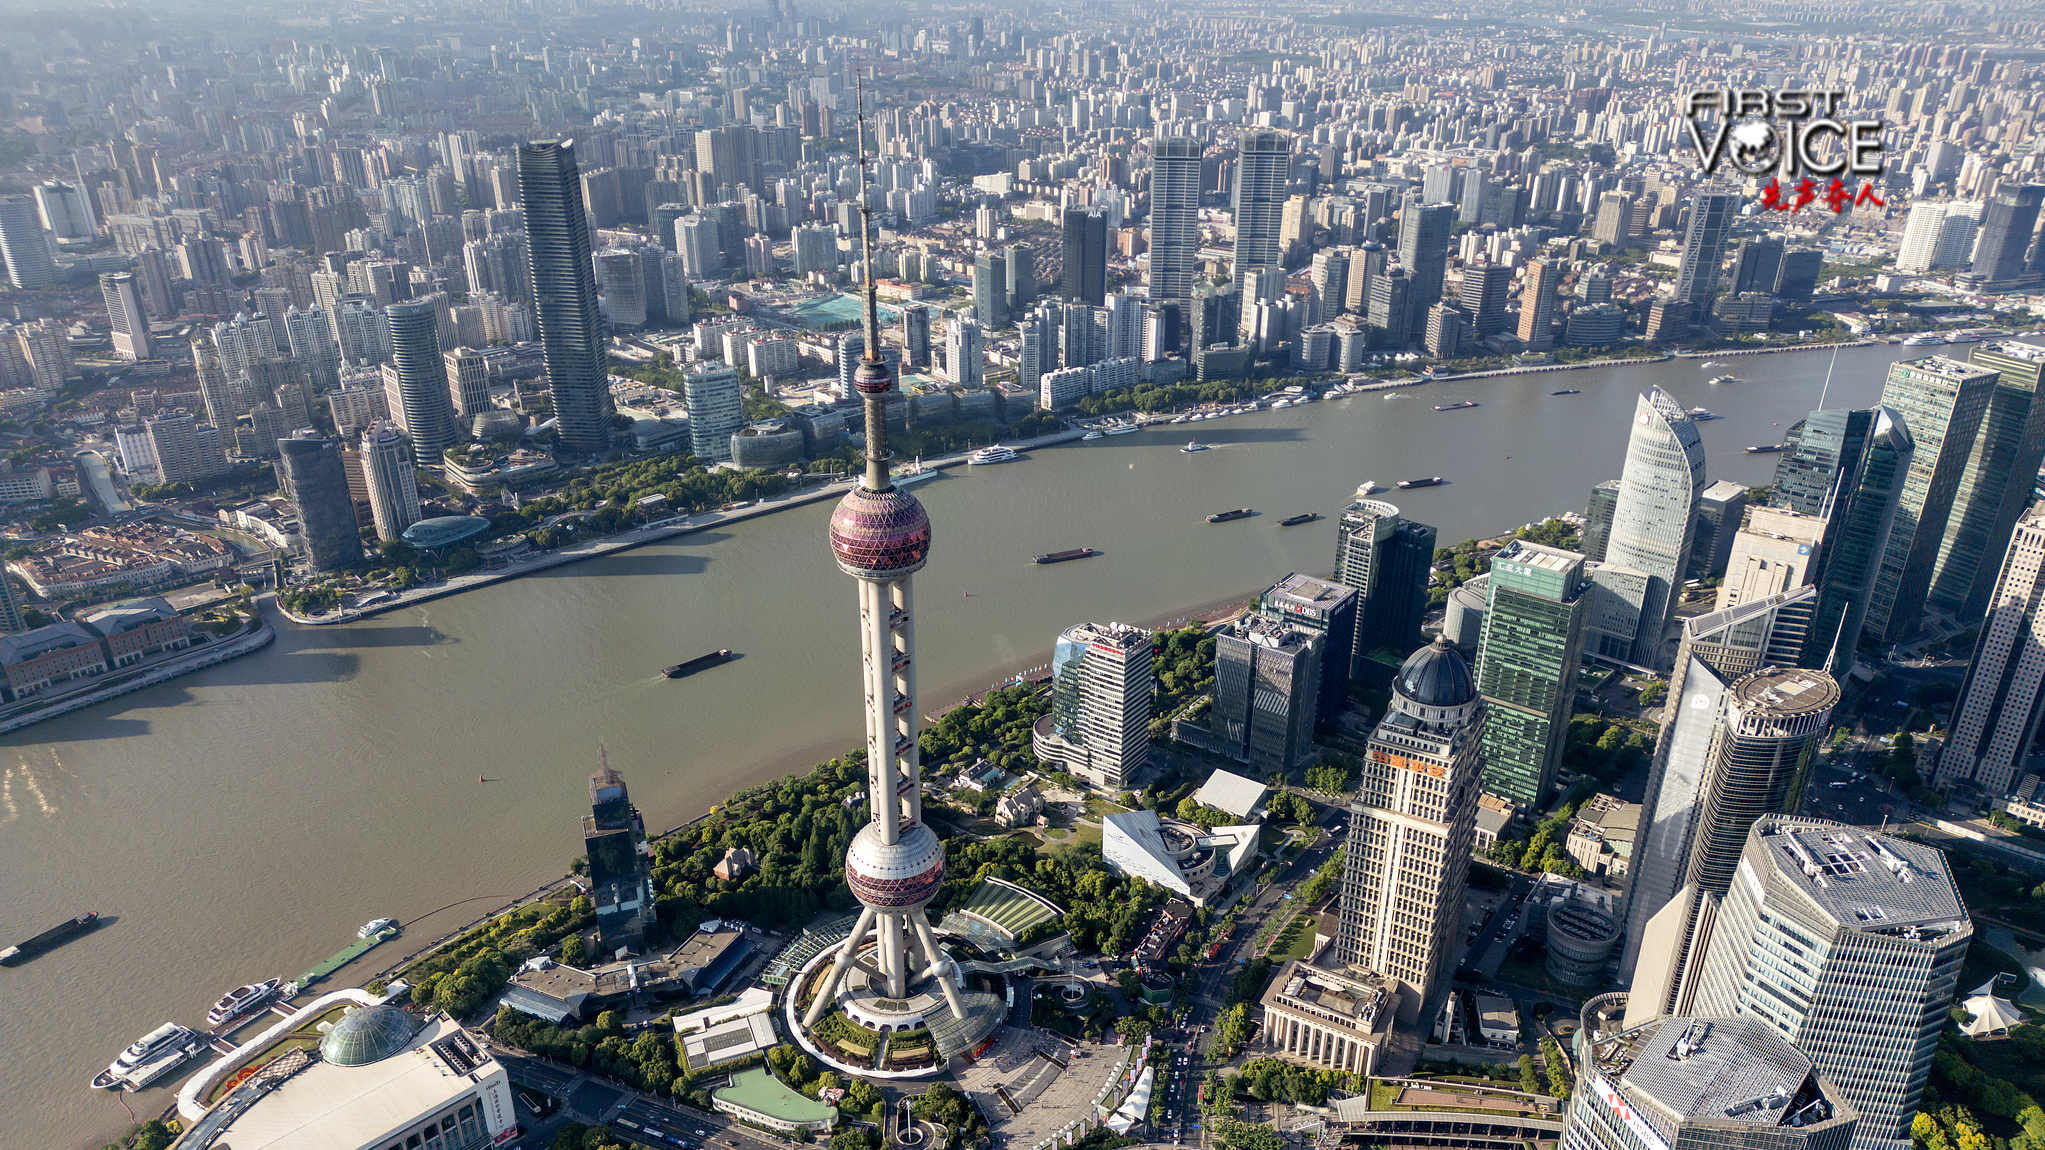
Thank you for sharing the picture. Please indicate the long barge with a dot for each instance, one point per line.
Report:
(1066, 556)
(1227, 516)
(49, 940)
(682, 670)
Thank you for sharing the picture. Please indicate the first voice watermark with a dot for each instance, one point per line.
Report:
(1759, 131)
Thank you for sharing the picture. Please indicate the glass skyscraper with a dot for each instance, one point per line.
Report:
(1424, 252)
(1942, 401)
(1655, 516)
(1387, 559)
(1174, 215)
(422, 405)
(572, 330)
(1527, 660)
(1996, 485)
(1263, 162)
(1711, 220)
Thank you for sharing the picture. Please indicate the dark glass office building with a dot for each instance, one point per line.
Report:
(572, 332)
(310, 471)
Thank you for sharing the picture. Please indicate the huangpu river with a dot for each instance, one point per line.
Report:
(240, 823)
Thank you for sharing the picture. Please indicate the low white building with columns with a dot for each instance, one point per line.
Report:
(1315, 1017)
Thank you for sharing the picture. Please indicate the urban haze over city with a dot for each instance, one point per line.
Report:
(1482, 583)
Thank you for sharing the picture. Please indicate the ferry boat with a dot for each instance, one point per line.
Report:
(1230, 516)
(994, 454)
(375, 927)
(1432, 481)
(1700, 414)
(1925, 340)
(1458, 405)
(1568, 391)
(1767, 448)
(1707, 363)
(242, 999)
(49, 940)
(1090, 435)
(1296, 520)
(1066, 556)
(1718, 379)
(1181, 419)
(1193, 445)
(1364, 489)
(1278, 403)
(681, 671)
(913, 472)
(1123, 428)
(149, 1057)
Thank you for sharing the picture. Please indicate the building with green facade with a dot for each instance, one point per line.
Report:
(1996, 485)
(1942, 402)
(1527, 661)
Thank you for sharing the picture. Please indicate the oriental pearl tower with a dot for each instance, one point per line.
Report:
(881, 537)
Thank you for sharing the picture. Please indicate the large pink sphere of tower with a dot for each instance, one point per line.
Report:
(902, 875)
(880, 534)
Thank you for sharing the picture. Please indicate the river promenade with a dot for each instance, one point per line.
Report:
(129, 679)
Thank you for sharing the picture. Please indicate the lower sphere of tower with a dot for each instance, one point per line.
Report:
(871, 378)
(901, 875)
(880, 534)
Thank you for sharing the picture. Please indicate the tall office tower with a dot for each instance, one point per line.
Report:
(415, 381)
(990, 290)
(916, 335)
(1390, 314)
(1123, 337)
(312, 344)
(393, 485)
(1022, 278)
(123, 298)
(1086, 256)
(1410, 826)
(1388, 559)
(623, 286)
(1777, 550)
(1537, 303)
(1849, 944)
(1330, 279)
(1483, 297)
(1266, 692)
(310, 473)
(1768, 724)
(1689, 1083)
(716, 410)
(65, 209)
(1999, 254)
(620, 865)
(26, 251)
(965, 352)
(1213, 316)
(1424, 253)
(1998, 712)
(1756, 266)
(701, 250)
(1597, 520)
(1823, 453)
(1174, 215)
(1655, 517)
(468, 385)
(1527, 661)
(1996, 485)
(1920, 248)
(726, 155)
(1720, 508)
(1942, 401)
(1263, 162)
(881, 537)
(1716, 651)
(1099, 725)
(1329, 609)
(564, 288)
(1614, 223)
(816, 250)
(1711, 220)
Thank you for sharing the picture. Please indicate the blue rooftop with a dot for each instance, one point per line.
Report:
(439, 532)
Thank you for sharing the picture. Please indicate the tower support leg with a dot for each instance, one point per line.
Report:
(828, 992)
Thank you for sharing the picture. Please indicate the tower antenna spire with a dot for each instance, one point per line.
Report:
(871, 379)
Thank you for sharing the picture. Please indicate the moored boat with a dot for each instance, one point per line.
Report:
(680, 670)
(374, 927)
(994, 454)
(241, 1000)
(913, 472)
(149, 1057)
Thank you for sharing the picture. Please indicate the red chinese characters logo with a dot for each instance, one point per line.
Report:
(1837, 194)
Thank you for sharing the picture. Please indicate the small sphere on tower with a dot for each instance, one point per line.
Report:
(880, 534)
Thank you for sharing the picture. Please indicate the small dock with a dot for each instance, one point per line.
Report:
(345, 956)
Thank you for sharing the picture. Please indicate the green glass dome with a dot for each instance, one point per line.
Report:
(370, 1034)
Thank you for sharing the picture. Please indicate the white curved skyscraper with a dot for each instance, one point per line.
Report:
(1656, 515)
